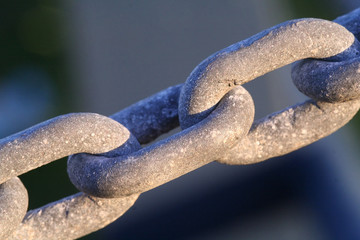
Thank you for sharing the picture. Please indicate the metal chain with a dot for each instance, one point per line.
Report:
(216, 115)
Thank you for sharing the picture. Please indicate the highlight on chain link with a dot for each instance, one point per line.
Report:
(112, 160)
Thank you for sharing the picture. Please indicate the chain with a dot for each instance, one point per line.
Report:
(109, 166)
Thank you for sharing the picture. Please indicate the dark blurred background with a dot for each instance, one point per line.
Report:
(101, 56)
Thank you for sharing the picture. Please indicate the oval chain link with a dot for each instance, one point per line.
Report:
(42, 144)
(255, 56)
(215, 112)
(104, 176)
(206, 85)
(335, 79)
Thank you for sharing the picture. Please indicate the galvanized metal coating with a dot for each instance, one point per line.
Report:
(334, 79)
(44, 143)
(255, 56)
(215, 112)
(57, 138)
(13, 205)
(167, 159)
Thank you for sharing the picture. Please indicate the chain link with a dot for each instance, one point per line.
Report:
(334, 79)
(216, 115)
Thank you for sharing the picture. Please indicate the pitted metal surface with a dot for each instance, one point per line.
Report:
(111, 168)
(168, 159)
(335, 79)
(255, 56)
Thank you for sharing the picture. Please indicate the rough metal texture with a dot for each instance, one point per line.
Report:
(167, 159)
(290, 129)
(44, 143)
(214, 77)
(153, 116)
(71, 217)
(351, 22)
(337, 78)
(253, 57)
(57, 138)
(13, 205)
(77, 215)
(214, 130)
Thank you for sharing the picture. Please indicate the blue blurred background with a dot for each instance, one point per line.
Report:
(67, 56)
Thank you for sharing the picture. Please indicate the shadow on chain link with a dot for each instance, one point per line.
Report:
(214, 77)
